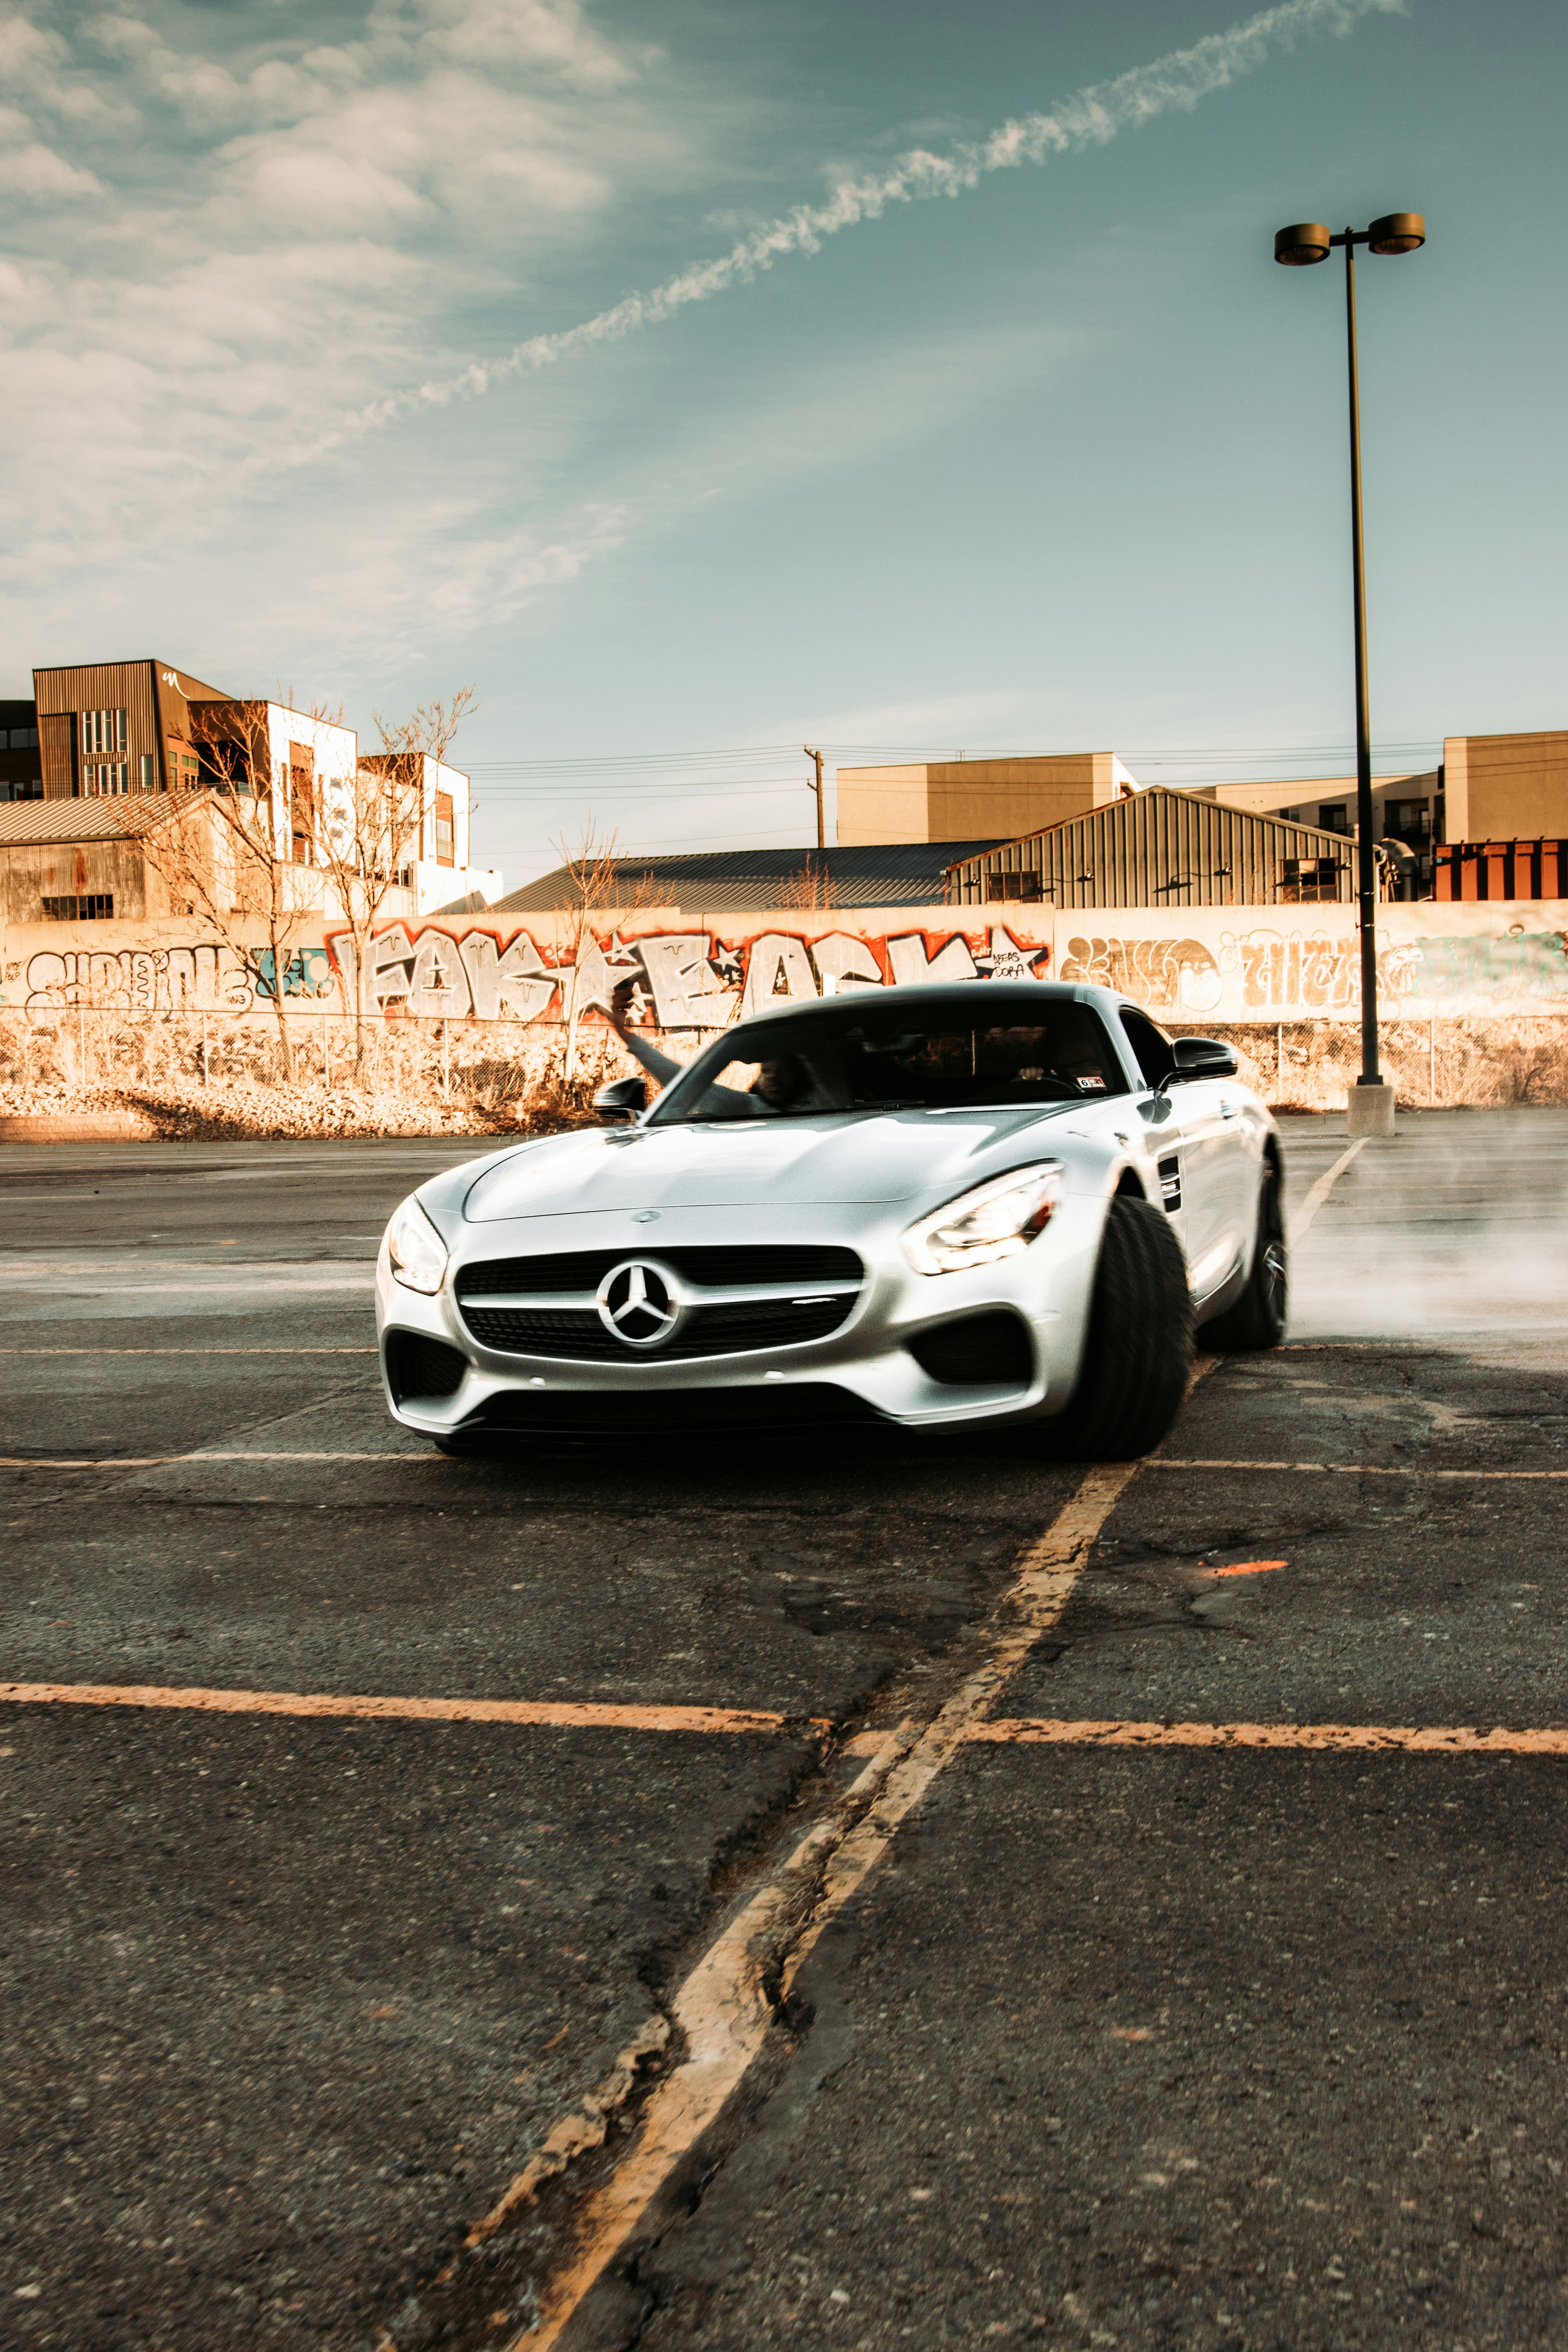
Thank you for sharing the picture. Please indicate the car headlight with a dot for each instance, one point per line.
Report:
(996, 1220)
(418, 1254)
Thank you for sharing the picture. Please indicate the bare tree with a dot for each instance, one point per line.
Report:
(371, 824)
(591, 888)
(238, 852)
(809, 889)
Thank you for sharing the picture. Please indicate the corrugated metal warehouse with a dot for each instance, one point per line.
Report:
(77, 862)
(1160, 849)
(747, 881)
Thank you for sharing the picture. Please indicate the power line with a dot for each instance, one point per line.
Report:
(702, 840)
(643, 763)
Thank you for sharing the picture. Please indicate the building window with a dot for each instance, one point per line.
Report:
(22, 788)
(95, 907)
(301, 787)
(24, 739)
(445, 830)
(1308, 881)
(1013, 886)
(149, 772)
(102, 731)
(1333, 816)
(106, 779)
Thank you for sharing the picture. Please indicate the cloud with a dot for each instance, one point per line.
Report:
(28, 168)
(436, 573)
(272, 227)
(246, 250)
(1092, 118)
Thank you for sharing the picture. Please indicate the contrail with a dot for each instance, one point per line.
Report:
(1091, 119)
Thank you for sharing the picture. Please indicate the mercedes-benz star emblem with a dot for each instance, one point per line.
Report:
(637, 1304)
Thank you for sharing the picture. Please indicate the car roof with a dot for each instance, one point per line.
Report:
(1008, 999)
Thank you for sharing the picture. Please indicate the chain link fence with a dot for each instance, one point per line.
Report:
(1434, 1065)
(192, 1072)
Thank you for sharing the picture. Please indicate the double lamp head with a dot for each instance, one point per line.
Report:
(1306, 242)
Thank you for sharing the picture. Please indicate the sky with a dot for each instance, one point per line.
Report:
(701, 379)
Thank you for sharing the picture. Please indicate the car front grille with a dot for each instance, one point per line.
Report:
(735, 1299)
(723, 1267)
(576, 1335)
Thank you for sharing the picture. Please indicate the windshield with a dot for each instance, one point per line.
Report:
(856, 1060)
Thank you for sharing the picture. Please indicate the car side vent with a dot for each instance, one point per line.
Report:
(1171, 1183)
(419, 1367)
(988, 1351)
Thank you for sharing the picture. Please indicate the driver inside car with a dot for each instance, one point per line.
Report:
(782, 1085)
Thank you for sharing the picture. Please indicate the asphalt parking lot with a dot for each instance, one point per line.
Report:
(890, 1895)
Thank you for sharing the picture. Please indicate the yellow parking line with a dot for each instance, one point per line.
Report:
(561, 1714)
(120, 1462)
(723, 2008)
(1344, 1469)
(1462, 1739)
(1321, 1191)
(157, 1461)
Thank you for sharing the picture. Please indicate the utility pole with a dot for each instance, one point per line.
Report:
(817, 788)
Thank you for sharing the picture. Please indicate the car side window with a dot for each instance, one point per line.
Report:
(1151, 1048)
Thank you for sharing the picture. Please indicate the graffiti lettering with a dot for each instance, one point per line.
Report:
(779, 966)
(686, 992)
(148, 980)
(844, 962)
(911, 963)
(702, 980)
(440, 988)
(511, 987)
(1174, 975)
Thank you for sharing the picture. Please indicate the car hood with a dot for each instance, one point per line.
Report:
(832, 1157)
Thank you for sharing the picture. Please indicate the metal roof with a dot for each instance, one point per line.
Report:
(1160, 849)
(747, 881)
(28, 822)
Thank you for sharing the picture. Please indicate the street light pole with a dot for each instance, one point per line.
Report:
(1368, 1113)
(1366, 854)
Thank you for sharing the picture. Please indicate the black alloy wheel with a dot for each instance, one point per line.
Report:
(1256, 1320)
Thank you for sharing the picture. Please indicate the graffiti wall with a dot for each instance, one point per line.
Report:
(1226, 964)
(1287, 963)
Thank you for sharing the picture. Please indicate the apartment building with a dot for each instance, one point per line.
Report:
(21, 775)
(126, 732)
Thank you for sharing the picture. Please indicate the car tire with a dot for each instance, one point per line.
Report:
(1256, 1320)
(1138, 1356)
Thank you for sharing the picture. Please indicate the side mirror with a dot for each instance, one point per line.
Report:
(1200, 1057)
(622, 1099)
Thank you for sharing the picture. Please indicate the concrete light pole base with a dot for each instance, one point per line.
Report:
(1369, 1110)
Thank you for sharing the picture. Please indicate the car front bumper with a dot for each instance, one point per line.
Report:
(867, 1362)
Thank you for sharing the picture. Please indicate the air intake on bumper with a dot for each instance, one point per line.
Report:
(417, 1367)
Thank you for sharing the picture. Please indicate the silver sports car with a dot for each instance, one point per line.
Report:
(929, 1207)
